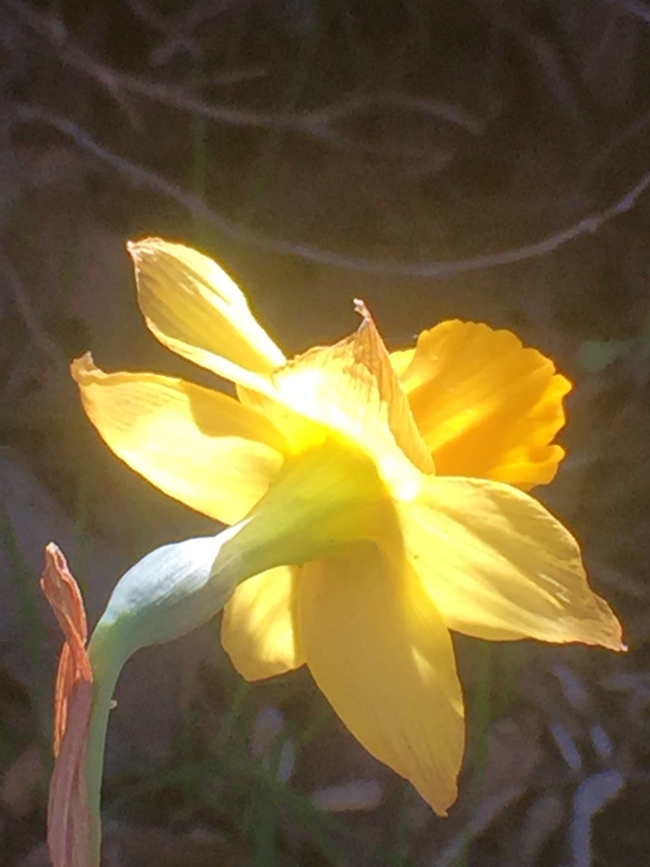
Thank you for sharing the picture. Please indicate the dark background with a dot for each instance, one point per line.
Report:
(483, 160)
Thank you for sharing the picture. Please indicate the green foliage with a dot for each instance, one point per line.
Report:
(596, 355)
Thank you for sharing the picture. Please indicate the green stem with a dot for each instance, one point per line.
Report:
(106, 669)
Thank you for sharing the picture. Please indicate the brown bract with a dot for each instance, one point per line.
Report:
(68, 819)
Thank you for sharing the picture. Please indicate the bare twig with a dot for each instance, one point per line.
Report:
(592, 795)
(488, 810)
(637, 10)
(316, 124)
(39, 336)
(175, 31)
(142, 177)
(178, 28)
(618, 141)
(551, 70)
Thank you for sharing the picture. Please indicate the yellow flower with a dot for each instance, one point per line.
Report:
(393, 484)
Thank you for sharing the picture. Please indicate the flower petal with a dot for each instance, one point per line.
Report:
(196, 310)
(379, 650)
(352, 388)
(197, 445)
(400, 360)
(257, 629)
(485, 406)
(499, 566)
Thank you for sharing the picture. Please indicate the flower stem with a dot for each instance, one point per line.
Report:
(106, 669)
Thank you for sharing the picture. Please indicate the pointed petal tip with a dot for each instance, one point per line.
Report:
(439, 801)
(83, 367)
(438, 809)
(136, 249)
(361, 309)
(609, 630)
(501, 567)
(387, 668)
(616, 643)
(611, 641)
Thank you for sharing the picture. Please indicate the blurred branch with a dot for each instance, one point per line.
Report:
(633, 8)
(621, 138)
(551, 70)
(39, 336)
(142, 177)
(490, 808)
(316, 124)
(178, 30)
(175, 31)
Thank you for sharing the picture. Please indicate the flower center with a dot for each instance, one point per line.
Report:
(324, 498)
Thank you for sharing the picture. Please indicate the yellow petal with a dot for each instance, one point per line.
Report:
(382, 655)
(485, 406)
(257, 630)
(321, 501)
(197, 445)
(196, 310)
(401, 359)
(352, 388)
(499, 566)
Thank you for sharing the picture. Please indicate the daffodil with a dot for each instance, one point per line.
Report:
(378, 501)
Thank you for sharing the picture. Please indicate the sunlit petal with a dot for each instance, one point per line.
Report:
(257, 630)
(197, 445)
(485, 406)
(382, 655)
(498, 565)
(400, 360)
(196, 310)
(352, 388)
